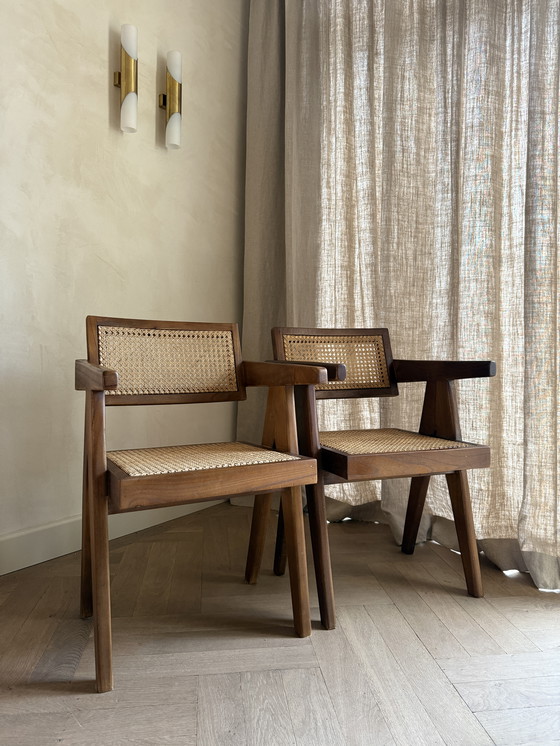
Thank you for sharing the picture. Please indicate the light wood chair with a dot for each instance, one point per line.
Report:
(360, 455)
(133, 362)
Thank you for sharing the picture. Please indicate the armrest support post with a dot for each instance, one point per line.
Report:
(440, 417)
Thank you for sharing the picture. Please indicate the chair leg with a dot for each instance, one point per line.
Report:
(86, 592)
(101, 594)
(416, 500)
(458, 486)
(297, 560)
(280, 546)
(259, 525)
(321, 553)
(86, 597)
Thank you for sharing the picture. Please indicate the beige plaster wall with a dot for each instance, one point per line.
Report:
(94, 221)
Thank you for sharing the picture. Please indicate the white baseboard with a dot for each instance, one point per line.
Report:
(29, 547)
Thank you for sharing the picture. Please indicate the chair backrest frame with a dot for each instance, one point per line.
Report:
(231, 386)
(379, 348)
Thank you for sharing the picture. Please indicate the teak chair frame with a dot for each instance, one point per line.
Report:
(107, 489)
(439, 420)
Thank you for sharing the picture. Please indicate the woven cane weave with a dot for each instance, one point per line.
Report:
(363, 356)
(384, 440)
(168, 361)
(168, 460)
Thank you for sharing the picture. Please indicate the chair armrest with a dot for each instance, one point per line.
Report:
(281, 374)
(335, 371)
(449, 370)
(90, 377)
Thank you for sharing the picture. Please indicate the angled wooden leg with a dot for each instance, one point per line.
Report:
(99, 542)
(297, 564)
(259, 525)
(281, 410)
(86, 597)
(416, 500)
(263, 503)
(101, 596)
(321, 553)
(462, 512)
(86, 592)
(280, 546)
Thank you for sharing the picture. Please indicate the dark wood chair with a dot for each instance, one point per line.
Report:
(133, 362)
(360, 455)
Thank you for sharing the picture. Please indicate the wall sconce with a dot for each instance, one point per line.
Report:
(127, 78)
(171, 100)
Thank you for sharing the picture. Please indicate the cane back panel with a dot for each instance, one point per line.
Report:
(366, 353)
(161, 362)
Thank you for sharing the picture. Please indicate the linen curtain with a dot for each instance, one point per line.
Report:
(402, 171)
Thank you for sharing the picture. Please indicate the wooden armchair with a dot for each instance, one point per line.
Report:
(360, 455)
(133, 362)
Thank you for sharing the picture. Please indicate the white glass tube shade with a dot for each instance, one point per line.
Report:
(173, 132)
(129, 106)
(129, 113)
(175, 66)
(129, 40)
(173, 128)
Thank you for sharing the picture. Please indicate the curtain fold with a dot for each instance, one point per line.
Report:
(402, 171)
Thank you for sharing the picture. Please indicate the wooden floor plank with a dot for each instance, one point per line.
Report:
(234, 585)
(155, 587)
(354, 702)
(258, 603)
(401, 708)
(447, 607)
(266, 709)
(185, 589)
(495, 667)
(138, 722)
(127, 580)
(187, 641)
(438, 639)
(543, 691)
(38, 726)
(63, 651)
(215, 551)
(206, 662)
(453, 720)
(364, 589)
(238, 531)
(221, 717)
(498, 626)
(528, 614)
(544, 639)
(35, 698)
(35, 633)
(176, 689)
(532, 725)
(270, 623)
(311, 710)
(506, 635)
(18, 606)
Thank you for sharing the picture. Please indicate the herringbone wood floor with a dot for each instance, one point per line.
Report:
(201, 658)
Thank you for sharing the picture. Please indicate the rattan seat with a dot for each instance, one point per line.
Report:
(384, 440)
(143, 462)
